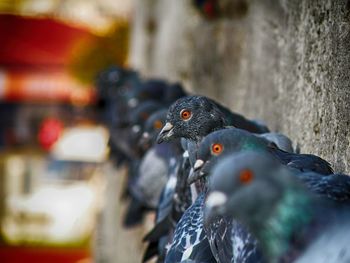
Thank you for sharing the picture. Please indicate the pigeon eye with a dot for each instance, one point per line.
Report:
(185, 115)
(217, 148)
(246, 176)
(157, 124)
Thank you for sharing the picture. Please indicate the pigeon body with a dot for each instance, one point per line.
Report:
(190, 241)
(175, 197)
(162, 232)
(290, 223)
(152, 175)
(227, 141)
(335, 187)
(280, 140)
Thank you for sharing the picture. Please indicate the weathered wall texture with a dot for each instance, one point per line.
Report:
(286, 62)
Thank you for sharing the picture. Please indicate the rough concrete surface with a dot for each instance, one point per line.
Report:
(285, 62)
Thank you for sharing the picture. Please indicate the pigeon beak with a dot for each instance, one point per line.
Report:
(214, 206)
(198, 164)
(196, 172)
(165, 133)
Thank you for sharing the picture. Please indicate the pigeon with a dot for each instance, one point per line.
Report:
(111, 84)
(175, 197)
(154, 166)
(122, 90)
(162, 232)
(226, 141)
(135, 187)
(289, 221)
(174, 200)
(114, 85)
(138, 118)
(193, 117)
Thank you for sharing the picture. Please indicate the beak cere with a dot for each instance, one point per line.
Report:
(145, 135)
(216, 199)
(214, 205)
(165, 133)
(196, 173)
(198, 164)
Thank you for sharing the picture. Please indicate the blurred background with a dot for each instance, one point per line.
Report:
(55, 174)
(286, 62)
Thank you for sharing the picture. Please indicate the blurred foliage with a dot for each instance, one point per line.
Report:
(89, 58)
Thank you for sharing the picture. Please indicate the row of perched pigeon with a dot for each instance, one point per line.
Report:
(224, 188)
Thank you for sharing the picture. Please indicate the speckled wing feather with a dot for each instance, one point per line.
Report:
(335, 187)
(303, 162)
(231, 242)
(190, 241)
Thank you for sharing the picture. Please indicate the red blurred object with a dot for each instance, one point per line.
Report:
(43, 86)
(34, 54)
(49, 132)
(37, 41)
(44, 255)
(209, 9)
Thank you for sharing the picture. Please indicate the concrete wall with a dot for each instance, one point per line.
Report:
(286, 62)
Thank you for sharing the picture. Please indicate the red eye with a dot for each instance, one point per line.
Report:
(157, 124)
(246, 176)
(186, 114)
(217, 148)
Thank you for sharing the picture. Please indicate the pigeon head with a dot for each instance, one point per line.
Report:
(152, 128)
(138, 118)
(219, 144)
(247, 186)
(111, 82)
(192, 118)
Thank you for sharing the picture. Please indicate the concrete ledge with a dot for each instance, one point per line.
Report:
(285, 62)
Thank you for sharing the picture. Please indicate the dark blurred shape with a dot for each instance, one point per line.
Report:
(214, 9)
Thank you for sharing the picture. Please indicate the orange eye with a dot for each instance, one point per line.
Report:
(157, 124)
(217, 148)
(246, 176)
(186, 114)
